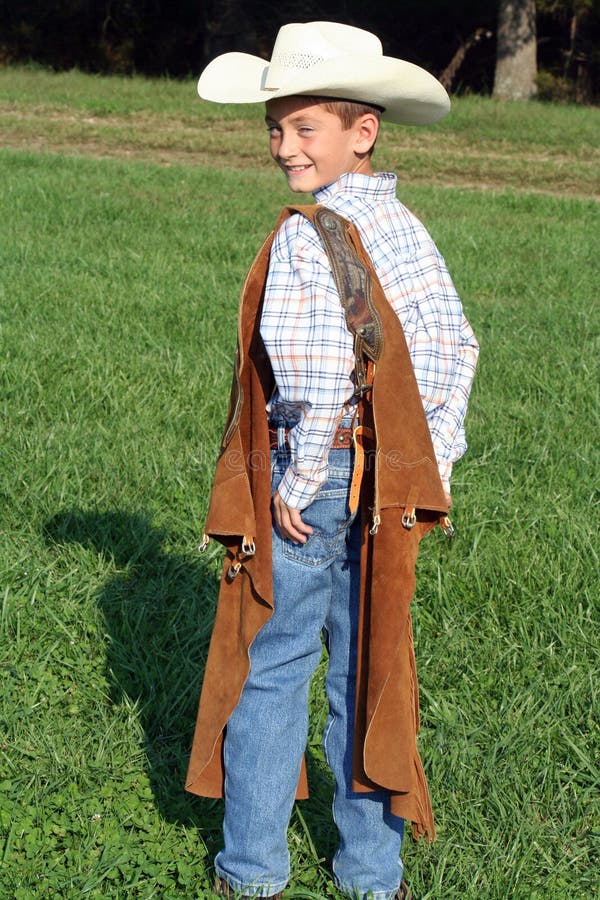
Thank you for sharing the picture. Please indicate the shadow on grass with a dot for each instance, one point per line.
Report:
(158, 612)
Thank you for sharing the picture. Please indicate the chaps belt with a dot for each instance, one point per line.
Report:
(342, 438)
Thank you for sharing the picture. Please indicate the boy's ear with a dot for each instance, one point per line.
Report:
(367, 129)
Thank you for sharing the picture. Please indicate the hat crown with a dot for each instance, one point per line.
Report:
(328, 59)
(300, 46)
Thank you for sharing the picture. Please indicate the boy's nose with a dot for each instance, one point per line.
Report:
(287, 147)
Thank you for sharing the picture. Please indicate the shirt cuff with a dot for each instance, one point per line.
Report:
(445, 469)
(296, 491)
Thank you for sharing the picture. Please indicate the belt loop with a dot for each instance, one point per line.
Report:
(281, 439)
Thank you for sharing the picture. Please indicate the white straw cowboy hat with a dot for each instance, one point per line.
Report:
(329, 60)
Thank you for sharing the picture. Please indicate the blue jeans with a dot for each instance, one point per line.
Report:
(316, 587)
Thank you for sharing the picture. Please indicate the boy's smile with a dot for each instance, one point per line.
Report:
(310, 145)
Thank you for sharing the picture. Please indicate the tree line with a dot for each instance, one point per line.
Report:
(465, 42)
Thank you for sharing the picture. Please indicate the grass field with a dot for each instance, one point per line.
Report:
(130, 212)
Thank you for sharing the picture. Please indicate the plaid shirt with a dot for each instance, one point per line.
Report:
(311, 349)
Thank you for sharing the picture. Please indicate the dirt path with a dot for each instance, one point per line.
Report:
(450, 160)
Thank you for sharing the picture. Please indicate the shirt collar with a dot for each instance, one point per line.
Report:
(381, 186)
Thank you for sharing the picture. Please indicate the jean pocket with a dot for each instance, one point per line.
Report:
(330, 518)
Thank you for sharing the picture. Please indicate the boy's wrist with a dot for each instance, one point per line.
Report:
(297, 491)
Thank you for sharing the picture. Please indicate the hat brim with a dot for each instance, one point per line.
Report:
(408, 94)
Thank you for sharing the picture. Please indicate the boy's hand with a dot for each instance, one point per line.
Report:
(288, 521)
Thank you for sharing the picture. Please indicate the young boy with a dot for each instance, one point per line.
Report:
(335, 462)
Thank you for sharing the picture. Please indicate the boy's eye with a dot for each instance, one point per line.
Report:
(273, 130)
(306, 129)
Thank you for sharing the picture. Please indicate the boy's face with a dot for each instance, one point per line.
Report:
(310, 146)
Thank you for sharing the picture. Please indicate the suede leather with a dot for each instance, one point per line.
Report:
(401, 472)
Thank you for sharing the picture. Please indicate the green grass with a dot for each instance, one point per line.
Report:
(552, 125)
(525, 146)
(118, 287)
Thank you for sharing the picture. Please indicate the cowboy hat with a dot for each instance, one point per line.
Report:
(328, 59)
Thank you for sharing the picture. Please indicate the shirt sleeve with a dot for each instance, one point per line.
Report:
(443, 350)
(311, 353)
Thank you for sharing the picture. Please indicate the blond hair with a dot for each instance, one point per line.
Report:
(348, 111)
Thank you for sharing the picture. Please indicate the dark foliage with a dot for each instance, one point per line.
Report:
(178, 37)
